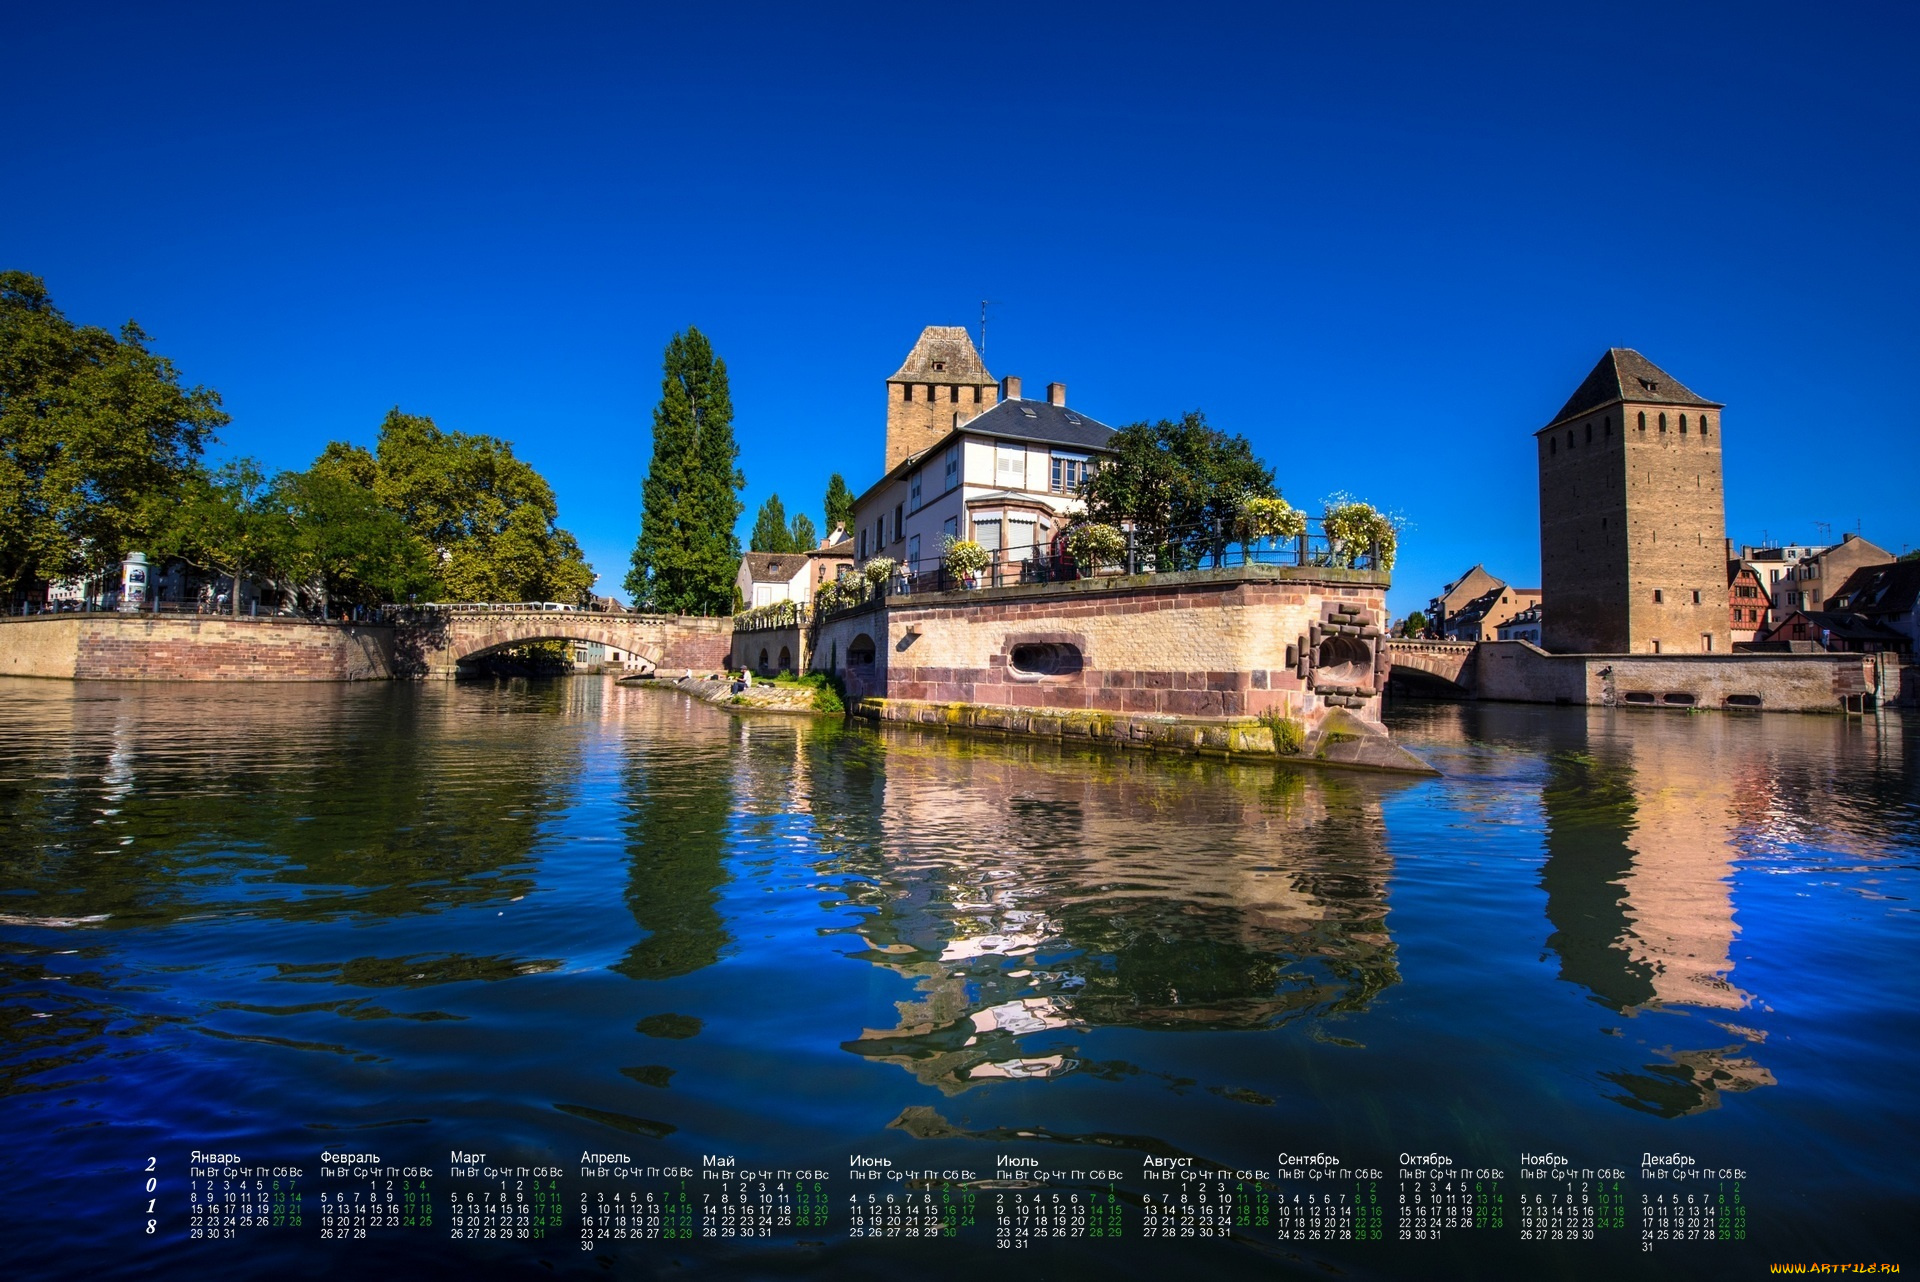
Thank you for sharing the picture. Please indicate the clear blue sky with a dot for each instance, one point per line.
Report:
(1384, 242)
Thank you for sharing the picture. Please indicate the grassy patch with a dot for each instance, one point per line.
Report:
(1289, 736)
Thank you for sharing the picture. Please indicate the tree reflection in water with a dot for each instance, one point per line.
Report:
(1030, 893)
(678, 791)
(146, 806)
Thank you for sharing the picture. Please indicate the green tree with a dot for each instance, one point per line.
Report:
(770, 532)
(1179, 485)
(1911, 556)
(486, 517)
(839, 504)
(97, 437)
(801, 537)
(347, 544)
(229, 522)
(1414, 624)
(686, 556)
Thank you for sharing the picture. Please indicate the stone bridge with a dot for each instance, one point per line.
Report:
(1418, 663)
(434, 642)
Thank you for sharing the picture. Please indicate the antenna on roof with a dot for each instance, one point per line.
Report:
(984, 304)
(1825, 528)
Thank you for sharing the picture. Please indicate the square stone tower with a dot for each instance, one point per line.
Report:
(942, 383)
(1632, 516)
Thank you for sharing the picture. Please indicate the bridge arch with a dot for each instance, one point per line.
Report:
(437, 641)
(650, 658)
(1438, 669)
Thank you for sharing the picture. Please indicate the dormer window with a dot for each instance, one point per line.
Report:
(1649, 384)
(939, 366)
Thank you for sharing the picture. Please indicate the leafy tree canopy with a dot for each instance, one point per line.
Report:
(487, 518)
(1414, 624)
(357, 551)
(97, 436)
(1176, 484)
(227, 521)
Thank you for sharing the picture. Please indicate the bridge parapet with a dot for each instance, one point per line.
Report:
(433, 640)
(1450, 661)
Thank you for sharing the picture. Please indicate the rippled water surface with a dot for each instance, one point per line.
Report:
(542, 919)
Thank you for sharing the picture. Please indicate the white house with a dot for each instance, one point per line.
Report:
(767, 577)
(1524, 626)
(1007, 478)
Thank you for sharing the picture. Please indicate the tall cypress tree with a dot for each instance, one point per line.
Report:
(801, 538)
(770, 532)
(839, 504)
(687, 554)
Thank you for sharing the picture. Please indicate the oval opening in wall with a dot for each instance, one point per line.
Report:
(1045, 659)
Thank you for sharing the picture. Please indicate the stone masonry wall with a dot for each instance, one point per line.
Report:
(1517, 671)
(749, 646)
(1210, 644)
(142, 647)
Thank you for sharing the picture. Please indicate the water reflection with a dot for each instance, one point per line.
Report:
(137, 808)
(1648, 818)
(1030, 896)
(678, 782)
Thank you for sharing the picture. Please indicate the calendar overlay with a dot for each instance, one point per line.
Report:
(1009, 1201)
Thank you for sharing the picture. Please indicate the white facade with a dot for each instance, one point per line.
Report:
(1007, 494)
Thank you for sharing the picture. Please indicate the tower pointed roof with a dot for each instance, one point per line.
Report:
(1625, 375)
(944, 354)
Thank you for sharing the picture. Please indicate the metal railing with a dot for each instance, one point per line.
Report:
(1146, 552)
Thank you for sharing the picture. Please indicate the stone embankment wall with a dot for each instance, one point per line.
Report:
(856, 633)
(145, 647)
(750, 645)
(1520, 672)
(1186, 661)
(1235, 643)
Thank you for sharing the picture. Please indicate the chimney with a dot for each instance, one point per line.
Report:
(1009, 388)
(1057, 394)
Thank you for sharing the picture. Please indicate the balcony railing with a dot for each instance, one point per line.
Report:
(1162, 552)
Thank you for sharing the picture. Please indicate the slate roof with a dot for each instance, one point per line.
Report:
(1476, 609)
(1876, 590)
(1625, 375)
(1030, 422)
(773, 567)
(948, 346)
(1041, 423)
(1846, 625)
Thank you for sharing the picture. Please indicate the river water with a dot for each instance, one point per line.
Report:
(996, 1004)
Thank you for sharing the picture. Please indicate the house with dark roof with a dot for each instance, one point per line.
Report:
(1453, 598)
(1889, 595)
(1480, 619)
(1006, 475)
(1809, 582)
(1524, 626)
(768, 577)
(1840, 630)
